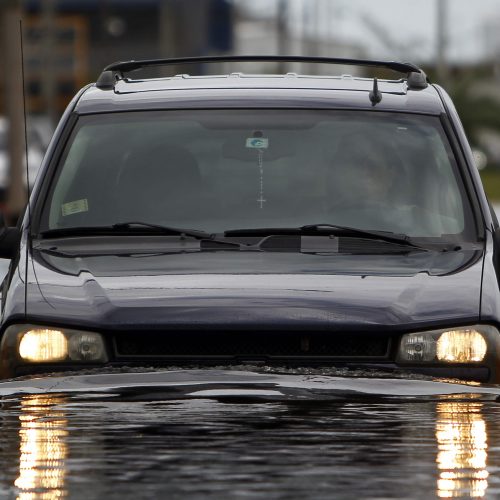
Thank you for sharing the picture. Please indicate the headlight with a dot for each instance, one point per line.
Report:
(36, 344)
(457, 346)
(43, 345)
(454, 345)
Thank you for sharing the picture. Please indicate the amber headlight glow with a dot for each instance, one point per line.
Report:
(43, 345)
(49, 345)
(459, 345)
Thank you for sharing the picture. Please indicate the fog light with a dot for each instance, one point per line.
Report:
(43, 345)
(86, 346)
(461, 346)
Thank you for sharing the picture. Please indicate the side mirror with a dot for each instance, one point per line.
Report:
(10, 238)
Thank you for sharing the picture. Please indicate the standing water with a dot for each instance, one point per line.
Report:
(243, 434)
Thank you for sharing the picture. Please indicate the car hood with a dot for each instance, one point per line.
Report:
(247, 289)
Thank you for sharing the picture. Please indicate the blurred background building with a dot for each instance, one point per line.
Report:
(68, 42)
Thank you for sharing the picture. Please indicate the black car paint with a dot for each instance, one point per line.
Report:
(199, 289)
(251, 289)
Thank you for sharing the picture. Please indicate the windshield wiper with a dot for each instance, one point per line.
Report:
(193, 233)
(133, 227)
(124, 227)
(328, 229)
(400, 239)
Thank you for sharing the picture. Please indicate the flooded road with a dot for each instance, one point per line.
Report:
(242, 434)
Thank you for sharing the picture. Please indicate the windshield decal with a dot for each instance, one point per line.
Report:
(75, 207)
(257, 143)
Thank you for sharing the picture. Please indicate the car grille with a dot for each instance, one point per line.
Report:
(250, 345)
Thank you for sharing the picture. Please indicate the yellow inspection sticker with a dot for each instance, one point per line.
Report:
(75, 207)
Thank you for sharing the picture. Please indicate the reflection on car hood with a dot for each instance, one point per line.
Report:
(259, 289)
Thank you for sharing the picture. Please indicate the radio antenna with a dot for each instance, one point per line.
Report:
(26, 264)
(25, 122)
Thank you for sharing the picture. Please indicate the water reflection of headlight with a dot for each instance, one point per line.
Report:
(43, 449)
(462, 438)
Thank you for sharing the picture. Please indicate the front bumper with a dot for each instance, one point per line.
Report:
(300, 348)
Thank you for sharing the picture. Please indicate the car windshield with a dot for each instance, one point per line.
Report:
(217, 170)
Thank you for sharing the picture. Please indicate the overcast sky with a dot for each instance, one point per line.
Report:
(402, 28)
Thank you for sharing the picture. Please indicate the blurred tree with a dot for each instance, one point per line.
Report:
(477, 111)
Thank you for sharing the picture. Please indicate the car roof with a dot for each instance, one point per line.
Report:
(116, 92)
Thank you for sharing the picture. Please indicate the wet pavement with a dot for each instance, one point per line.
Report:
(244, 434)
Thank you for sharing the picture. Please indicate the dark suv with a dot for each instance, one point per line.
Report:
(279, 219)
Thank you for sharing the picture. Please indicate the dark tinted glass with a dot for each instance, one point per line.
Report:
(224, 169)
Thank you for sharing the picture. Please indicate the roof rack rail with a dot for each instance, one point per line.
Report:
(417, 79)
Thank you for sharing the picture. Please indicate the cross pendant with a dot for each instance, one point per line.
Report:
(261, 200)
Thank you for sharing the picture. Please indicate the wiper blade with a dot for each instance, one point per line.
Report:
(194, 233)
(143, 228)
(125, 228)
(77, 231)
(400, 239)
(328, 229)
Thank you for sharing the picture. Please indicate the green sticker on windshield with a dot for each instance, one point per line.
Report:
(75, 207)
(257, 143)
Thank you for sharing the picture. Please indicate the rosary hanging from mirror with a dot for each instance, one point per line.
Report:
(259, 143)
(260, 161)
